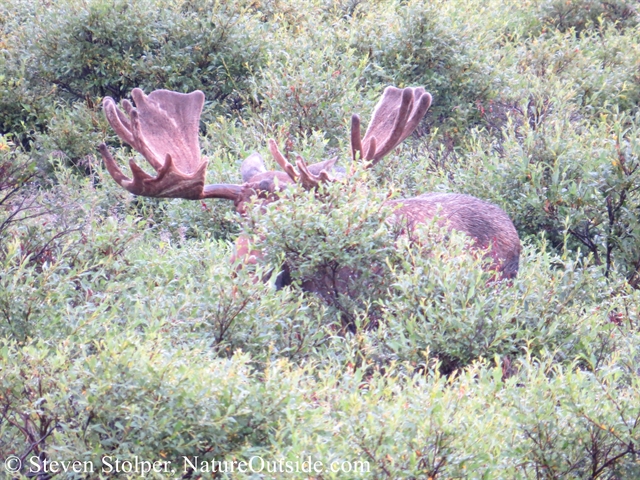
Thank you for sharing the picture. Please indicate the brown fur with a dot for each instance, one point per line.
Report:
(487, 224)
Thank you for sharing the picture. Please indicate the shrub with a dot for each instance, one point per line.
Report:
(108, 47)
(568, 178)
(24, 110)
(442, 302)
(313, 90)
(72, 135)
(411, 43)
(72, 405)
(336, 244)
(17, 171)
(594, 72)
(588, 15)
(125, 330)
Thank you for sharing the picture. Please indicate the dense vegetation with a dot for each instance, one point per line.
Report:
(125, 331)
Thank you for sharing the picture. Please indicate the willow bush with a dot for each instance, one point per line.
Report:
(125, 330)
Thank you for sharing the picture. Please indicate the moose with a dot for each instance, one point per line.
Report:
(163, 127)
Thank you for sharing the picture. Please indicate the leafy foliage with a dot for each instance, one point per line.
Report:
(181, 48)
(125, 330)
(581, 16)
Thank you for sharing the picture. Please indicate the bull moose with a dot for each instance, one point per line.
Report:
(164, 125)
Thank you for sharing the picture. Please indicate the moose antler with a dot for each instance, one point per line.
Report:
(309, 176)
(395, 117)
(163, 127)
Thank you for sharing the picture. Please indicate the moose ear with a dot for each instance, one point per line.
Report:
(252, 166)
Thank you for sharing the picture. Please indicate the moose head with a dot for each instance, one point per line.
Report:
(163, 127)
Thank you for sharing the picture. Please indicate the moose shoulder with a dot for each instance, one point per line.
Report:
(163, 128)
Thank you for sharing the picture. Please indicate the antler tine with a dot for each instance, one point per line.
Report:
(395, 117)
(398, 126)
(308, 179)
(130, 130)
(356, 140)
(128, 106)
(371, 149)
(283, 162)
(163, 127)
(112, 167)
(140, 142)
(421, 104)
(118, 121)
(121, 116)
